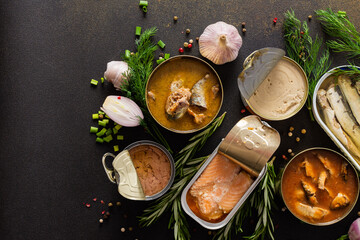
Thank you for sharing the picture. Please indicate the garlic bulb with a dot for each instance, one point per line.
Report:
(115, 73)
(123, 111)
(220, 43)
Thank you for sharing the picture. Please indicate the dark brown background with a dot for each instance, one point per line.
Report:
(50, 164)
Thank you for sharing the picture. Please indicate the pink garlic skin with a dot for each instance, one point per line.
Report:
(354, 231)
(220, 43)
(115, 73)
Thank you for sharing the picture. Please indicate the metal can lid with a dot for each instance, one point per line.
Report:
(129, 185)
(256, 67)
(250, 143)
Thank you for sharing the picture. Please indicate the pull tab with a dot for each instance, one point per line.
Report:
(109, 172)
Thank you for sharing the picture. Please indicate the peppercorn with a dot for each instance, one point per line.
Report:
(191, 41)
(291, 129)
(244, 30)
(175, 18)
(161, 55)
(197, 38)
(107, 214)
(130, 228)
(297, 139)
(189, 45)
(118, 203)
(243, 24)
(186, 44)
(187, 31)
(122, 229)
(303, 131)
(290, 134)
(292, 154)
(181, 50)
(110, 204)
(310, 17)
(289, 150)
(101, 220)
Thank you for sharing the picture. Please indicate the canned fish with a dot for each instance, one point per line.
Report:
(231, 173)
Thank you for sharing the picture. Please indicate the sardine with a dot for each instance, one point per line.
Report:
(351, 95)
(178, 102)
(334, 126)
(321, 180)
(343, 114)
(357, 86)
(340, 201)
(344, 170)
(310, 192)
(327, 164)
(309, 169)
(313, 213)
(198, 93)
(198, 117)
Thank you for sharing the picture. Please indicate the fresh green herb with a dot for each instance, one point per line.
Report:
(143, 3)
(262, 201)
(144, 8)
(161, 44)
(167, 56)
(339, 26)
(138, 31)
(127, 54)
(94, 82)
(101, 133)
(102, 80)
(120, 137)
(99, 140)
(160, 60)
(343, 237)
(93, 129)
(306, 52)
(140, 67)
(102, 123)
(95, 116)
(353, 72)
(185, 168)
(116, 148)
(108, 138)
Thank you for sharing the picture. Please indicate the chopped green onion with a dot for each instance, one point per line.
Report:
(117, 127)
(127, 54)
(95, 116)
(99, 140)
(102, 123)
(101, 133)
(108, 138)
(94, 82)
(101, 112)
(116, 148)
(93, 129)
(160, 60)
(106, 121)
(108, 132)
(143, 3)
(115, 131)
(342, 13)
(167, 55)
(120, 137)
(144, 8)
(102, 80)
(107, 116)
(138, 31)
(161, 44)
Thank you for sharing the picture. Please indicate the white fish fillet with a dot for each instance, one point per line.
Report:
(343, 114)
(334, 126)
(351, 95)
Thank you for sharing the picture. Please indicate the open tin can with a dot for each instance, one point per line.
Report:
(144, 170)
(231, 173)
(272, 85)
(324, 82)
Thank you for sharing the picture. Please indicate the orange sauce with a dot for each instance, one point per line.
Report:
(191, 71)
(334, 184)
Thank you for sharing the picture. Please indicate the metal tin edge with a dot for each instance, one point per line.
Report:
(172, 59)
(322, 123)
(300, 106)
(337, 219)
(206, 224)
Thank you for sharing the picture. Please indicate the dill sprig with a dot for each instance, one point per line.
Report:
(185, 169)
(339, 26)
(261, 200)
(352, 72)
(140, 67)
(306, 52)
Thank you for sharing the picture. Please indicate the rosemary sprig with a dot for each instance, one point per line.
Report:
(261, 200)
(185, 168)
(140, 67)
(306, 52)
(339, 26)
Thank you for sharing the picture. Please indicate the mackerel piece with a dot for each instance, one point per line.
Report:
(198, 93)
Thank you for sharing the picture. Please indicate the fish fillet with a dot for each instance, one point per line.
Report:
(310, 192)
(198, 93)
(313, 213)
(340, 201)
(239, 186)
(343, 114)
(178, 102)
(322, 179)
(310, 171)
(351, 95)
(334, 125)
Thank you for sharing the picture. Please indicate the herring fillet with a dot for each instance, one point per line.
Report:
(334, 126)
(351, 95)
(343, 114)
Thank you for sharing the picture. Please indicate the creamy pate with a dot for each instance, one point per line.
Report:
(282, 93)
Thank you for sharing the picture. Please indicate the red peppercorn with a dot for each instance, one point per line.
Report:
(103, 212)
(119, 97)
(284, 157)
(243, 110)
(94, 199)
(189, 45)
(181, 50)
(88, 205)
(302, 32)
(275, 20)
(102, 202)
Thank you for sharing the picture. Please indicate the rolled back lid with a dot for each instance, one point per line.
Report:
(250, 143)
(256, 68)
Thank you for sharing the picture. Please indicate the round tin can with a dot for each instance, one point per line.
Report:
(255, 82)
(127, 174)
(308, 178)
(188, 66)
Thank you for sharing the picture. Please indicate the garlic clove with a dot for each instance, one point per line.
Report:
(115, 72)
(220, 43)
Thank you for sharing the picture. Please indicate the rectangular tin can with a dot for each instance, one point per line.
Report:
(250, 143)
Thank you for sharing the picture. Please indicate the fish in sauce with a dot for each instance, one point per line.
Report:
(198, 117)
(309, 169)
(340, 201)
(198, 93)
(178, 103)
(322, 180)
(313, 213)
(310, 192)
(218, 189)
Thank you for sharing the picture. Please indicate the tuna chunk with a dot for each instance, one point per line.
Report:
(178, 102)
(309, 169)
(322, 179)
(310, 192)
(313, 213)
(340, 201)
(198, 117)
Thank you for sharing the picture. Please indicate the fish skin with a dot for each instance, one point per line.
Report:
(351, 95)
(198, 93)
(334, 126)
(313, 213)
(340, 201)
(343, 114)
